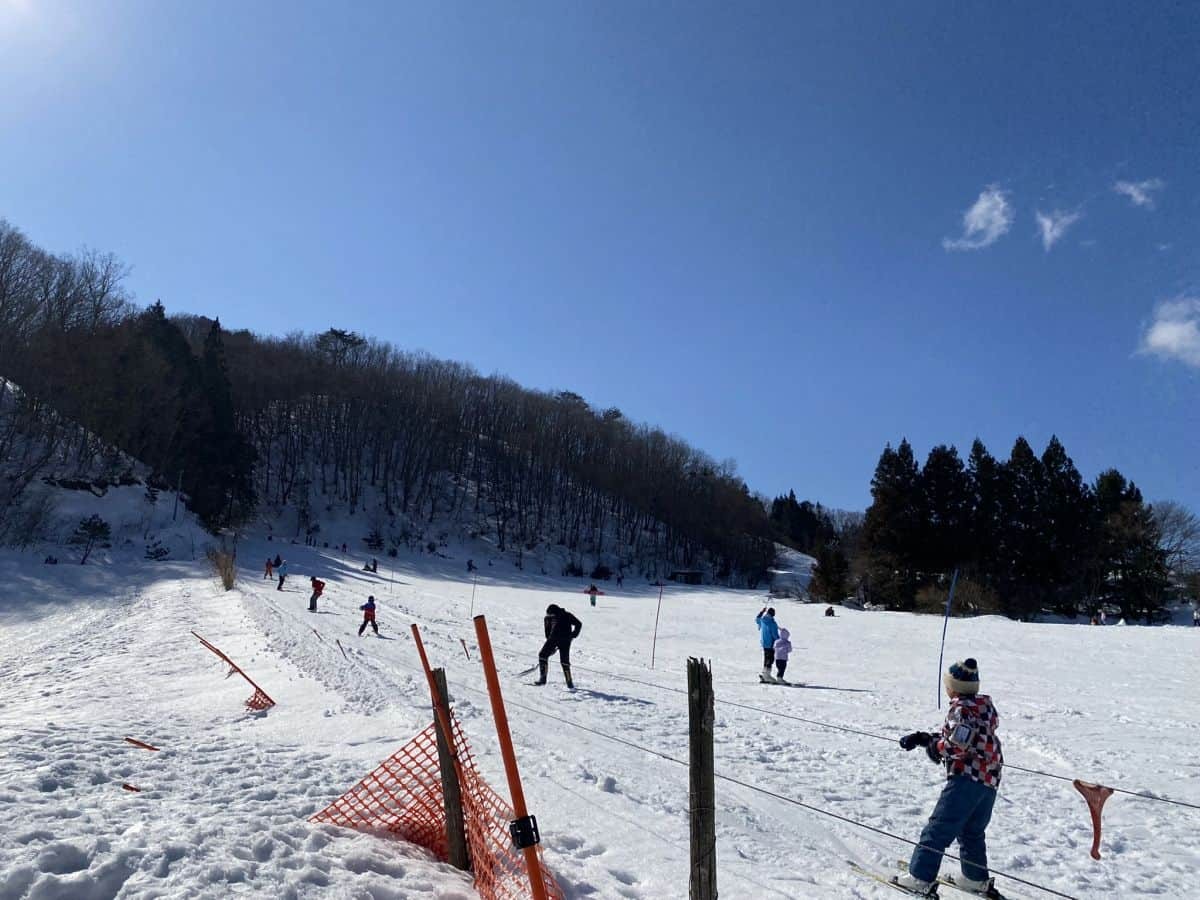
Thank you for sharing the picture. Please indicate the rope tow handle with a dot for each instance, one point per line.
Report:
(1095, 795)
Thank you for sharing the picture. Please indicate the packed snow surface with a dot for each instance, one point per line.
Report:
(91, 654)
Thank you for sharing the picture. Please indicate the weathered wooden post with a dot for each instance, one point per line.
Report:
(456, 836)
(701, 782)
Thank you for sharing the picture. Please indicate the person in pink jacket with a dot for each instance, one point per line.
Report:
(783, 649)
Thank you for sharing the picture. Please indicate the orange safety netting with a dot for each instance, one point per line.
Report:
(258, 700)
(403, 796)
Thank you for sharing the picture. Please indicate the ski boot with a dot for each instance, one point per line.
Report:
(915, 885)
(986, 889)
(543, 668)
(567, 675)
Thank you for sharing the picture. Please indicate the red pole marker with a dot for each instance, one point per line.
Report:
(141, 744)
(130, 787)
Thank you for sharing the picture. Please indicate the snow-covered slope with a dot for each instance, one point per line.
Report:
(792, 572)
(92, 654)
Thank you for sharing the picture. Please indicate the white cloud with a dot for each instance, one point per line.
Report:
(1054, 225)
(1175, 331)
(1140, 193)
(988, 220)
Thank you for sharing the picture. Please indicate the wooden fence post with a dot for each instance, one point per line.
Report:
(456, 837)
(701, 783)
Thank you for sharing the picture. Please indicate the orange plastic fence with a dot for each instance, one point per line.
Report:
(403, 796)
(259, 699)
(1095, 795)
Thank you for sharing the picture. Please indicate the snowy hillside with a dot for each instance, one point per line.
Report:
(95, 653)
(792, 572)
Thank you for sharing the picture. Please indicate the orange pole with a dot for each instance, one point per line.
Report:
(536, 883)
(441, 711)
(443, 714)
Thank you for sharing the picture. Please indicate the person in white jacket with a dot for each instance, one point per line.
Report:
(783, 649)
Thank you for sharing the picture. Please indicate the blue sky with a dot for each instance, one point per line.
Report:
(788, 232)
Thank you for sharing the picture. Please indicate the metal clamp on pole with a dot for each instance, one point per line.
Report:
(524, 832)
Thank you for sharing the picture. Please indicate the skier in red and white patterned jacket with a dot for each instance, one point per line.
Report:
(972, 717)
(968, 746)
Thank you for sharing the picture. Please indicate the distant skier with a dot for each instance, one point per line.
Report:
(829, 612)
(470, 565)
(269, 574)
(1195, 615)
(593, 591)
(561, 628)
(368, 611)
(783, 649)
(318, 586)
(281, 570)
(620, 580)
(968, 746)
(768, 634)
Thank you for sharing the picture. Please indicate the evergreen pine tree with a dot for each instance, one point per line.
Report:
(1022, 537)
(985, 477)
(890, 529)
(223, 457)
(945, 511)
(831, 574)
(1068, 528)
(1131, 566)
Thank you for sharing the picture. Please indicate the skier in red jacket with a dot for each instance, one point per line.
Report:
(368, 609)
(317, 587)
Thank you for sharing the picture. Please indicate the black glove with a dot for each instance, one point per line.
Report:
(931, 751)
(916, 739)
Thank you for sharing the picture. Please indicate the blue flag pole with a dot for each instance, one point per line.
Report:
(945, 622)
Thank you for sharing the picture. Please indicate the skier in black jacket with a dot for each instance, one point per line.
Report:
(561, 629)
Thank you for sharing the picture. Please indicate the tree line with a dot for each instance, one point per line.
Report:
(245, 421)
(1025, 533)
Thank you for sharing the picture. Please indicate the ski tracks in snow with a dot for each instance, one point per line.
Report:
(221, 809)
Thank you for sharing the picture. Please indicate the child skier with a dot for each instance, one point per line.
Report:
(783, 649)
(281, 570)
(317, 587)
(561, 628)
(968, 746)
(368, 609)
(768, 634)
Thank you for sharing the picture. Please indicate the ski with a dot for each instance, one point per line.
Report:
(883, 879)
(525, 672)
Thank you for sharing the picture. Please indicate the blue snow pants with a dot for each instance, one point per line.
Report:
(963, 812)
